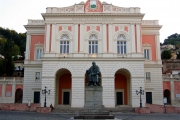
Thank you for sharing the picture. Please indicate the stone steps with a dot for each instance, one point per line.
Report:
(69, 110)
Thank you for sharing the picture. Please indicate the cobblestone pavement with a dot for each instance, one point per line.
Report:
(16, 115)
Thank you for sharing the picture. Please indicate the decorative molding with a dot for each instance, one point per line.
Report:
(60, 33)
(121, 32)
(93, 31)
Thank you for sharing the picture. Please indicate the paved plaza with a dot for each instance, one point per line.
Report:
(16, 115)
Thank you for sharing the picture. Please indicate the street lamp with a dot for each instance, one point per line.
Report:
(141, 92)
(45, 92)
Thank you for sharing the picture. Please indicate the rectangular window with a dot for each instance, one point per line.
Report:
(148, 76)
(146, 54)
(37, 77)
(121, 47)
(38, 54)
(93, 47)
(64, 47)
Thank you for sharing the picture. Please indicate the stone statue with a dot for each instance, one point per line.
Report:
(93, 75)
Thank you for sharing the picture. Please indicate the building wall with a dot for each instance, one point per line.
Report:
(155, 85)
(30, 83)
(8, 87)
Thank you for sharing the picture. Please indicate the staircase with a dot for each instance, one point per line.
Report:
(66, 109)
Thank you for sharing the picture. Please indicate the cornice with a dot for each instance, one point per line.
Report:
(153, 66)
(151, 26)
(90, 59)
(32, 26)
(92, 14)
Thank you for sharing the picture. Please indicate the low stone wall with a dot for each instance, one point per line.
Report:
(143, 110)
(19, 106)
(43, 109)
(161, 109)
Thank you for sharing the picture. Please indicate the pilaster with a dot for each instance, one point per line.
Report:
(110, 39)
(47, 39)
(158, 53)
(104, 40)
(81, 38)
(172, 89)
(138, 37)
(133, 43)
(28, 46)
(53, 39)
(76, 31)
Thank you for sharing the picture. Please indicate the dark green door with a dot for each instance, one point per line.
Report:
(36, 97)
(149, 97)
(119, 98)
(66, 98)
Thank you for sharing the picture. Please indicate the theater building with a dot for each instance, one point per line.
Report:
(63, 45)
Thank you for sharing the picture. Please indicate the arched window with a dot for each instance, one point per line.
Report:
(93, 44)
(121, 44)
(64, 44)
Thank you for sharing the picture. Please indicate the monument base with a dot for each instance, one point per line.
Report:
(93, 107)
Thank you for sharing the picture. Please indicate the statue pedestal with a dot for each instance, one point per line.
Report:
(93, 107)
(93, 100)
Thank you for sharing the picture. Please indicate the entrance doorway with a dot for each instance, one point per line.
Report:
(149, 97)
(66, 98)
(18, 95)
(122, 87)
(37, 97)
(167, 95)
(119, 98)
(63, 87)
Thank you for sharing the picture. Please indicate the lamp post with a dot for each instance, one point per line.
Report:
(45, 92)
(141, 92)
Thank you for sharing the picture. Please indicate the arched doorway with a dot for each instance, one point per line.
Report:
(63, 87)
(18, 95)
(122, 87)
(167, 95)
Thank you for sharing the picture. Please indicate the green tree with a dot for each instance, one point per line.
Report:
(166, 54)
(173, 39)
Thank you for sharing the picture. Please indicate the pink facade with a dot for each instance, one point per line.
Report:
(35, 39)
(166, 85)
(150, 39)
(8, 91)
(19, 87)
(176, 87)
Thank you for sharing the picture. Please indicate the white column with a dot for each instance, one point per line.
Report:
(172, 89)
(27, 55)
(133, 43)
(3, 90)
(13, 90)
(81, 38)
(75, 38)
(47, 37)
(104, 39)
(53, 38)
(108, 91)
(77, 91)
(158, 53)
(138, 37)
(110, 38)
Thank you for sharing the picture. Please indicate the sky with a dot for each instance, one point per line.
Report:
(15, 13)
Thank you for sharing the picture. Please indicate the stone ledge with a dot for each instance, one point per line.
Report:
(43, 109)
(19, 107)
(143, 110)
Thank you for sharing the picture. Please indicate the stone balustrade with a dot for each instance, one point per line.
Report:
(150, 22)
(171, 76)
(36, 22)
(8, 80)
